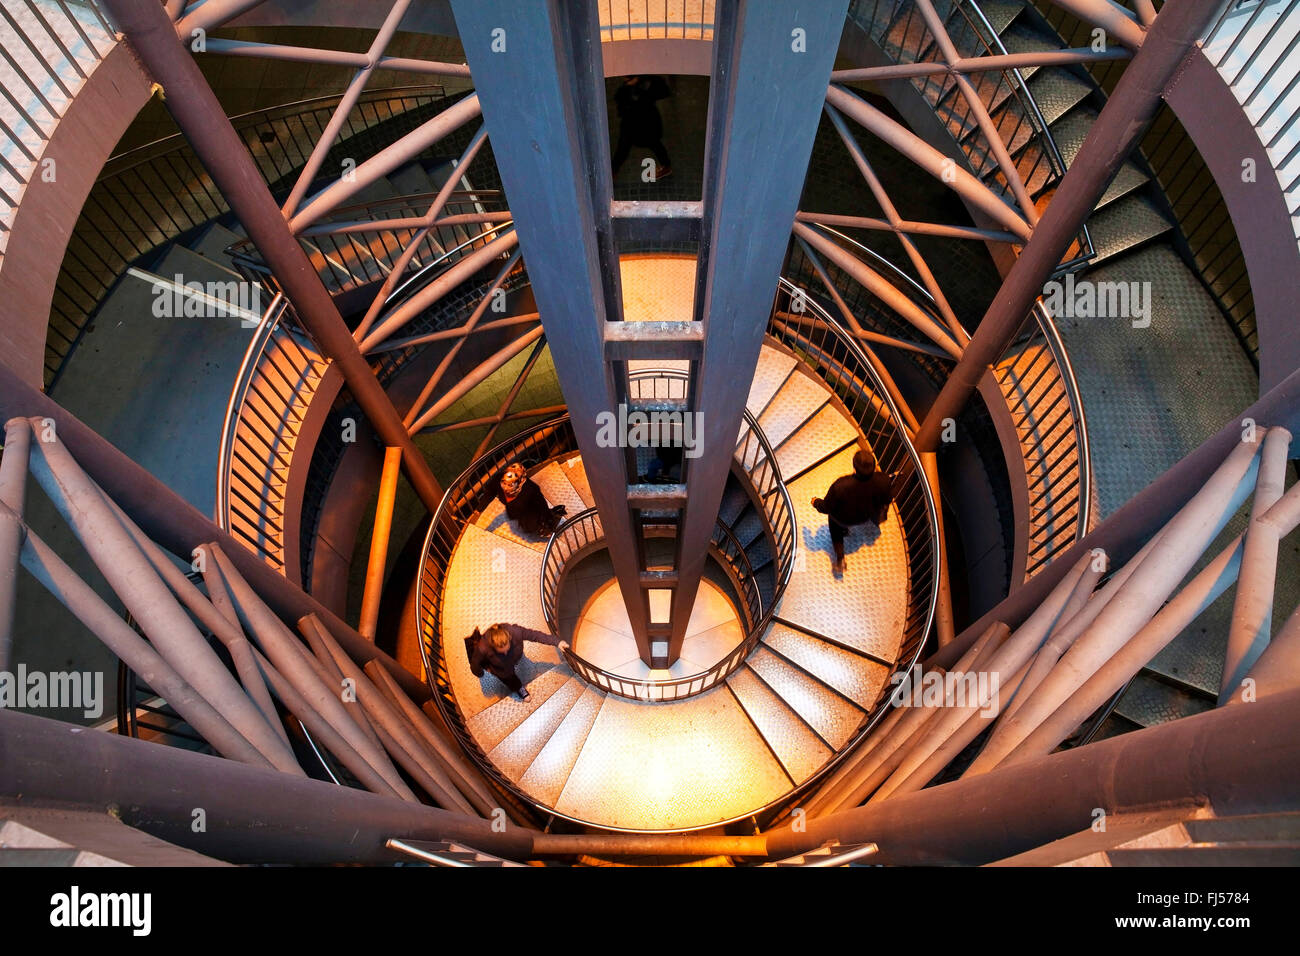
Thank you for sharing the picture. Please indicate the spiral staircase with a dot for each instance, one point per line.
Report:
(782, 686)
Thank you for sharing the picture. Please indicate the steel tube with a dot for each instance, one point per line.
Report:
(1111, 138)
(1235, 760)
(1138, 600)
(200, 117)
(1278, 668)
(467, 780)
(102, 621)
(1129, 529)
(13, 493)
(1173, 619)
(286, 653)
(175, 524)
(394, 734)
(1252, 607)
(941, 167)
(253, 815)
(374, 587)
(144, 594)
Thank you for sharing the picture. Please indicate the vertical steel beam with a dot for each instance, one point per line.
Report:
(379, 545)
(200, 117)
(771, 67)
(537, 66)
(1110, 140)
(13, 490)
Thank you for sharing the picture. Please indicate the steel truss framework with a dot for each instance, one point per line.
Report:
(1065, 644)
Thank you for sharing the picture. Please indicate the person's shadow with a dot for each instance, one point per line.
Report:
(859, 536)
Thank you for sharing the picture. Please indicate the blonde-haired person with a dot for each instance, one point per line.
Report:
(499, 649)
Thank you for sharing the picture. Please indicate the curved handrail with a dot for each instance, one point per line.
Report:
(583, 533)
(247, 514)
(120, 222)
(982, 39)
(1034, 413)
(755, 459)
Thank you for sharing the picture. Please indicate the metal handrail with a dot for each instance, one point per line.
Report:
(757, 462)
(984, 41)
(122, 221)
(582, 533)
(248, 518)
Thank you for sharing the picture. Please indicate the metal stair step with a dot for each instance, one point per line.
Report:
(774, 367)
(494, 724)
(1069, 134)
(549, 771)
(1149, 702)
(825, 434)
(1057, 90)
(833, 718)
(799, 399)
(854, 675)
(1125, 225)
(795, 744)
(513, 755)
(1025, 37)
(1001, 13)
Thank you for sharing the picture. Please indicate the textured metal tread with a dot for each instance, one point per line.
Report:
(801, 752)
(832, 717)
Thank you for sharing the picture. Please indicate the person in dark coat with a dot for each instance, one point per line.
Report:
(855, 499)
(525, 504)
(499, 649)
(639, 123)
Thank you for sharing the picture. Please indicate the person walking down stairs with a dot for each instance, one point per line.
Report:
(639, 122)
(499, 650)
(861, 497)
(525, 504)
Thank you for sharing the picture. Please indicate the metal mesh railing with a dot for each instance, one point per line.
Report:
(656, 19)
(47, 49)
(756, 461)
(582, 534)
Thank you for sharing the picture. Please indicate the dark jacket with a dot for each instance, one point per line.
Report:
(853, 500)
(483, 656)
(637, 113)
(529, 509)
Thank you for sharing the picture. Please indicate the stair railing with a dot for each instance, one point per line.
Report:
(38, 71)
(755, 462)
(582, 534)
(901, 33)
(1041, 392)
(123, 217)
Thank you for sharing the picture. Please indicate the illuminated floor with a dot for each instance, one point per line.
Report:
(800, 697)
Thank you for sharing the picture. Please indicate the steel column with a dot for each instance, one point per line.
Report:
(175, 524)
(1250, 764)
(1110, 140)
(1129, 529)
(13, 489)
(383, 524)
(200, 117)
(539, 74)
(254, 815)
(771, 66)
